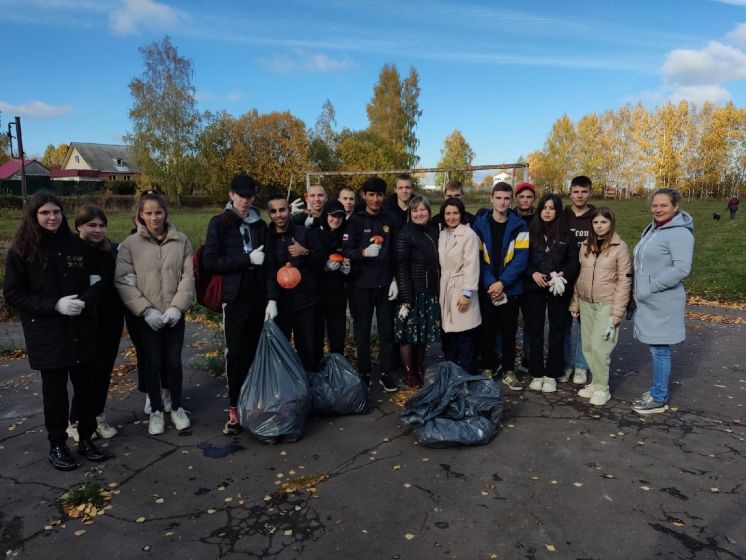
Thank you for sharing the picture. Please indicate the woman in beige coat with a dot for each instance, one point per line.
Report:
(458, 253)
(600, 299)
(155, 279)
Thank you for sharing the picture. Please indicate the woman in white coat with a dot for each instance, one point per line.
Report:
(458, 252)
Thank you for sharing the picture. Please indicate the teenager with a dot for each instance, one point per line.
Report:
(504, 245)
(234, 248)
(525, 198)
(311, 216)
(552, 268)
(160, 258)
(398, 203)
(368, 243)
(417, 322)
(347, 198)
(54, 281)
(663, 258)
(453, 189)
(600, 299)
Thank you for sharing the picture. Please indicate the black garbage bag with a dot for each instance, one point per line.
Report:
(454, 408)
(275, 398)
(337, 389)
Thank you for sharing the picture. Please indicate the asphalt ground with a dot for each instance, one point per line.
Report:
(561, 480)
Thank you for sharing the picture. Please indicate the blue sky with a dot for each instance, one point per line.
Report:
(500, 72)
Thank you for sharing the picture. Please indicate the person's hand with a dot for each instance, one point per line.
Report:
(575, 314)
(615, 320)
(130, 279)
(496, 290)
(372, 250)
(296, 207)
(332, 265)
(346, 267)
(70, 305)
(171, 316)
(153, 318)
(403, 311)
(271, 310)
(393, 291)
(256, 257)
(609, 329)
(557, 284)
(295, 249)
(463, 303)
(539, 279)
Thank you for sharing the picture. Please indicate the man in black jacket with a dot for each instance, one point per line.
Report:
(398, 203)
(295, 310)
(368, 243)
(234, 247)
(454, 189)
(311, 216)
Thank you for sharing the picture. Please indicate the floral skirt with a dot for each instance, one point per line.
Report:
(422, 325)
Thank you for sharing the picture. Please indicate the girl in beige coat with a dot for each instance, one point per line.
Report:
(600, 299)
(458, 253)
(155, 279)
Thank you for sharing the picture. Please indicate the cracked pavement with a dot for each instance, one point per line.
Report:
(561, 480)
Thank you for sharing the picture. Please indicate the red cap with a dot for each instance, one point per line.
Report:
(524, 186)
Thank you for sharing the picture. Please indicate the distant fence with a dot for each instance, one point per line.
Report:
(110, 201)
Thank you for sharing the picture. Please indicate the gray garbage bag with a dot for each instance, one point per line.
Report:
(338, 389)
(275, 398)
(455, 408)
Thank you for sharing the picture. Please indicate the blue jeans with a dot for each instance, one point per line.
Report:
(573, 346)
(661, 354)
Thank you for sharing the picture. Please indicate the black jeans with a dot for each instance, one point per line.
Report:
(133, 329)
(459, 348)
(303, 325)
(242, 324)
(539, 303)
(363, 303)
(57, 405)
(162, 354)
(334, 322)
(498, 321)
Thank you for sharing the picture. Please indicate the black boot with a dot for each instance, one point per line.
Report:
(91, 452)
(59, 456)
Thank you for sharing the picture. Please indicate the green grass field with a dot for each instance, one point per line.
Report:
(718, 272)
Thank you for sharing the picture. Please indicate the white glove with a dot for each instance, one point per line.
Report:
(393, 291)
(271, 311)
(403, 312)
(332, 265)
(171, 316)
(153, 318)
(372, 250)
(609, 330)
(309, 221)
(346, 266)
(257, 256)
(557, 284)
(296, 207)
(93, 278)
(70, 305)
(130, 279)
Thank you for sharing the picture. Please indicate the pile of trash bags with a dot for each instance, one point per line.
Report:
(276, 397)
(454, 408)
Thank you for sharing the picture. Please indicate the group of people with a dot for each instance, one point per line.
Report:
(447, 277)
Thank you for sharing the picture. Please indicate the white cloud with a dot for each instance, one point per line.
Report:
(738, 35)
(205, 96)
(713, 64)
(699, 94)
(35, 110)
(733, 2)
(133, 14)
(305, 61)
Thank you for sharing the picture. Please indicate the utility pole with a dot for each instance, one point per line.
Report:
(21, 155)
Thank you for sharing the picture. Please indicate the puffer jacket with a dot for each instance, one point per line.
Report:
(164, 273)
(555, 256)
(604, 278)
(417, 264)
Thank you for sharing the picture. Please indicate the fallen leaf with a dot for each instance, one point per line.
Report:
(140, 520)
(578, 484)
(407, 485)
(159, 500)
(714, 490)
(409, 536)
(79, 532)
(645, 487)
(288, 532)
(550, 548)
(396, 467)
(211, 511)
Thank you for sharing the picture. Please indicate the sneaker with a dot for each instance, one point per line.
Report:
(147, 408)
(645, 396)
(549, 385)
(648, 405)
(72, 431)
(510, 380)
(580, 377)
(180, 419)
(565, 377)
(166, 400)
(600, 398)
(104, 429)
(488, 372)
(536, 383)
(156, 425)
(388, 383)
(586, 392)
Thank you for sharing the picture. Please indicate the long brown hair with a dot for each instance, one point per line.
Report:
(553, 230)
(88, 213)
(152, 195)
(592, 243)
(28, 240)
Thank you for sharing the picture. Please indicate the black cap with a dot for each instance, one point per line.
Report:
(243, 185)
(374, 184)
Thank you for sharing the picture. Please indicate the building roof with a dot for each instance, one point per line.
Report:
(13, 166)
(108, 158)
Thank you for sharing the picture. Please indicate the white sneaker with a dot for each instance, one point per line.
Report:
(156, 425)
(147, 409)
(600, 398)
(72, 431)
(549, 385)
(586, 392)
(180, 419)
(536, 383)
(104, 429)
(166, 400)
(580, 377)
(566, 376)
